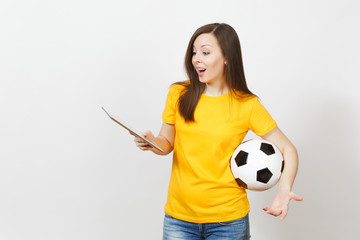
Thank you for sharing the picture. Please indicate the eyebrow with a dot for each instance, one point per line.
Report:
(204, 45)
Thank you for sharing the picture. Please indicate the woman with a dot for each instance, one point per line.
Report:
(204, 120)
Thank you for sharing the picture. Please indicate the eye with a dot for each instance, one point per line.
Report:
(206, 53)
(193, 53)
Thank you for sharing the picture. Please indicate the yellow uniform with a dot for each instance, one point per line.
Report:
(202, 188)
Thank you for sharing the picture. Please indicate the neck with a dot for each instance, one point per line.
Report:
(215, 90)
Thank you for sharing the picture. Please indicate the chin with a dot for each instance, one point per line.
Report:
(203, 80)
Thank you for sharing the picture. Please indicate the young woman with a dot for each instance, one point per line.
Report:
(204, 120)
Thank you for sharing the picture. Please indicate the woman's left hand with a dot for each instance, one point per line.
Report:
(280, 203)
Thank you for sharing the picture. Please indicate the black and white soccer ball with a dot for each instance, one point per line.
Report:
(257, 164)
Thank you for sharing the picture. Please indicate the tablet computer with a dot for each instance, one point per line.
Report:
(131, 129)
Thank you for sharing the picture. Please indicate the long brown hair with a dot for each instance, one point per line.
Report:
(234, 70)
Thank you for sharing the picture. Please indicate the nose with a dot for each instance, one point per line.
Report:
(196, 58)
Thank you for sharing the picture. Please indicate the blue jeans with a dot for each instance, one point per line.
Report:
(175, 229)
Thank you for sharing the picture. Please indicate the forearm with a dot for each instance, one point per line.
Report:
(281, 201)
(290, 169)
(164, 144)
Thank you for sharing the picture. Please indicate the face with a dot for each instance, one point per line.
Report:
(208, 59)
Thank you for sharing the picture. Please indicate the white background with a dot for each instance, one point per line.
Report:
(68, 172)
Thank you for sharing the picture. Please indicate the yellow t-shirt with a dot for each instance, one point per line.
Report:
(202, 188)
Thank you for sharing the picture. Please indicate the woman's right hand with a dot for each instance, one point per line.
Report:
(165, 140)
(141, 143)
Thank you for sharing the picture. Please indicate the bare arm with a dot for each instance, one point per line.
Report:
(277, 137)
(165, 140)
(282, 199)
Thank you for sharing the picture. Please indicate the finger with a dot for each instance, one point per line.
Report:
(296, 197)
(268, 210)
(144, 148)
(147, 135)
(283, 214)
(273, 212)
(142, 144)
(138, 140)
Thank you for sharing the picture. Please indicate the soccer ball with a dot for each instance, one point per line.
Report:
(257, 164)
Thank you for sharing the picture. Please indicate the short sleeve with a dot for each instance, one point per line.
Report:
(261, 121)
(168, 115)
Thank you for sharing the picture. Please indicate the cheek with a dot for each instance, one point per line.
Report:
(216, 60)
(218, 64)
(193, 62)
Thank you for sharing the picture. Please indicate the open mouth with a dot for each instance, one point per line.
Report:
(201, 70)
